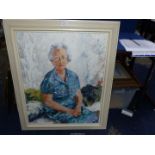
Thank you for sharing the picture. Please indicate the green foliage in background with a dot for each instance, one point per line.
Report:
(33, 95)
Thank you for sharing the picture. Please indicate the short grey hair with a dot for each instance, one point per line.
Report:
(58, 46)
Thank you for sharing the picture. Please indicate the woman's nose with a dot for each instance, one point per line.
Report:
(60, 60)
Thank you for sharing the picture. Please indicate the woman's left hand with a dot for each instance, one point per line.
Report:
(77, 111)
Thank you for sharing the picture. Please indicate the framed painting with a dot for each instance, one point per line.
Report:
(62, 71)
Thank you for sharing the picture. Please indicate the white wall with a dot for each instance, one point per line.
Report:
(87, 50)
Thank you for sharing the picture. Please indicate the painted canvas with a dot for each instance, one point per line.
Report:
(85, 54)
(62, 71)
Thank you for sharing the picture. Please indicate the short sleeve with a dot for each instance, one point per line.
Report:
(46, 87)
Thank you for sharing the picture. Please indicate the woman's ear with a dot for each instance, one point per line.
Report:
(67, 61)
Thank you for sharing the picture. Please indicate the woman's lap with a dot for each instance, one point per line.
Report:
(85, 117)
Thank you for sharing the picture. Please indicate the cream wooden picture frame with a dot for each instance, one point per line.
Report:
(92, 45)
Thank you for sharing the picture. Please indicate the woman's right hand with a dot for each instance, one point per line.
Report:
(73, 112)
(70, 111)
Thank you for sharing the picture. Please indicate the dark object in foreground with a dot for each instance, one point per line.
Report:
(91, 94)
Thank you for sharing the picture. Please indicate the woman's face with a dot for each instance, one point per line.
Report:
(60, 59)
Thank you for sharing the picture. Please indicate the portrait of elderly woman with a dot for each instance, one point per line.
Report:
(63, 77)
(62, 71)
(61, 92)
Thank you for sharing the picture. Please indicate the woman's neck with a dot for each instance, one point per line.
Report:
(62, 74)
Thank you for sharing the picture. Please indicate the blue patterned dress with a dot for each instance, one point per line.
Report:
(64, 93)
